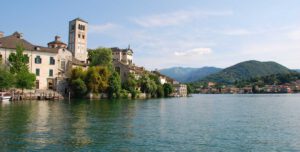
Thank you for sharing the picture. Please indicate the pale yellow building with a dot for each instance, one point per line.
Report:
(50, 64)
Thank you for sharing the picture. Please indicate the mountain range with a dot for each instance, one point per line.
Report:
(184, 75)
(241, 71)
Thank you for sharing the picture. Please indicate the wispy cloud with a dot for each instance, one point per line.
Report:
(177, 17)
(102, 27)
(194, 52)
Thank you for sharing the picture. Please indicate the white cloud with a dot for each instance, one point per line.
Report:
(175, 18)
(194, 52)
(102, 28)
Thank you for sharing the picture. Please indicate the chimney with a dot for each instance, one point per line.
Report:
(57, 38)
(1, 34)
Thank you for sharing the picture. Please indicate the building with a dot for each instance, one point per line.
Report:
(123, 55)
(180, 90)
(125, 70)
(78, 29)
(50, 64)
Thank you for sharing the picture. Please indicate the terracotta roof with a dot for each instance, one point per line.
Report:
(11, 42)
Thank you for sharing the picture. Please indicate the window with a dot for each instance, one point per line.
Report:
(37, 72)
(52, 61)
(78, 35)
(73, 27)
(38, 60)
(83, 36)
(50, 73)
(0, 58)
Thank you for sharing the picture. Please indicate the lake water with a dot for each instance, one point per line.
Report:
(198, 123)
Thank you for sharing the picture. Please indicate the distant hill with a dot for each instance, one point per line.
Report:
(246, 70)
(183, 74)
(298, 70)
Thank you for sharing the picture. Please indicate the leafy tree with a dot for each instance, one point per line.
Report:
(100, 57)
(93, 79)
(114, 87)
(78, 87)
(6, 79)
(77, 73)
(168, 89)
(18, 61)
(25, 80)
(130, 85)
(104, 74)
(189, 89)
(160, 91)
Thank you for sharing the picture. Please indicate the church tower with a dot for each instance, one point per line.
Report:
(78, 29)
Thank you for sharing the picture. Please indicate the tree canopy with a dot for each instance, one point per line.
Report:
(100, 57)
(18, 61)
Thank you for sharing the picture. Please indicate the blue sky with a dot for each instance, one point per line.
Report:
(167, 33)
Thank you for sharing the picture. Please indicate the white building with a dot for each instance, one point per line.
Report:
(78, 29)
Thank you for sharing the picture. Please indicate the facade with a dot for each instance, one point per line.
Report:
(123, 55)
(50, 64)
(78, 29)
(180, 90)
(125, 70)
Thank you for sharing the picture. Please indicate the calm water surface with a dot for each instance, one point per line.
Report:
(199, 123)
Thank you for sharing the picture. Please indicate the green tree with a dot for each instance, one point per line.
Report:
(104, 73)
(114, 87)
(78, 87)
(160, 91)
(190, 89)
(93, 80)
(6, 79)
(100, 57)
(130, 85)
(77, 72)
(148, 85)
(25, 80)
(18, 61)
(168, 89)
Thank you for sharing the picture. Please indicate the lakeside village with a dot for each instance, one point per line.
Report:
(214, 88)
(60, 71)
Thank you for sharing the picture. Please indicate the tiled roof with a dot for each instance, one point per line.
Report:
(11, 42)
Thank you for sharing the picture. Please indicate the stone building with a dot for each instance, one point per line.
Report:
(123, 55)
(78, 30)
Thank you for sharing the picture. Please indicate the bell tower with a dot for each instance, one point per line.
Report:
(78, 29)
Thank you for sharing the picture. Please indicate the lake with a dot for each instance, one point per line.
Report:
(198, 123)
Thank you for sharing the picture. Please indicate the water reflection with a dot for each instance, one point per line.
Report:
(201, 123)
